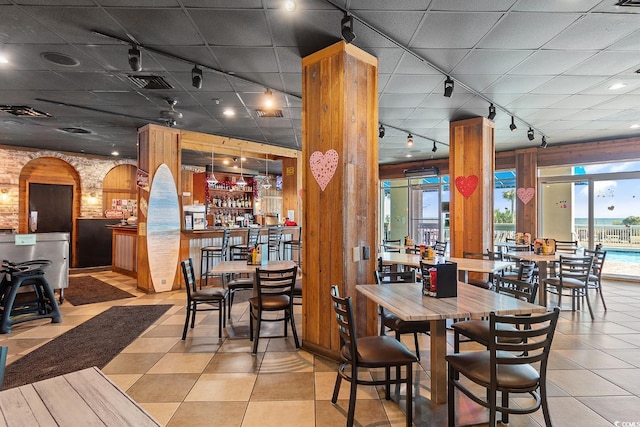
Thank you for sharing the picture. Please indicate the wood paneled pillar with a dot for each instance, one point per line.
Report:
(156, 145)
(471, 158)
(527, 184)
(291, 181)
(339, 128)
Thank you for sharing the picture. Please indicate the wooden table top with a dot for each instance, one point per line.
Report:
(241, 267)
(408, 303)
(80, 398)
(464, 264)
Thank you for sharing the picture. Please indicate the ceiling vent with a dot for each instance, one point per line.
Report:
(149, 82)
(79, 131)
(421, 172)
(269, 113)
(23, 111)
(635, 3)
(60, 59)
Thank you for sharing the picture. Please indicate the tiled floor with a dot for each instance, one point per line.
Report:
(594, 372)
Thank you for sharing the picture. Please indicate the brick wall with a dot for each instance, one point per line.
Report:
(91, 170)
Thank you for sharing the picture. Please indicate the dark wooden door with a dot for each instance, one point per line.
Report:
(54, 204)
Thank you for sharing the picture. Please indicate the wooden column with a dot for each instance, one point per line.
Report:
(290, 197)
(156, 145)
(471, 154)
(340, 113)
(527, 182)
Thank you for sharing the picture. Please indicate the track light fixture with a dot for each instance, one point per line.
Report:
(530, 134)
(347, 28)
(409, 140)
(492, 112)
(268, 98)
(435, 147)
(381, 131)
(513, 126)
(448, 87)
(196, 77)
(135, 58)
(544, 142)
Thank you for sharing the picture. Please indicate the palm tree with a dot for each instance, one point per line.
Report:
(511, 196)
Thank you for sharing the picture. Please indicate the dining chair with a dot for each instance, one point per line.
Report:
(567, 246)
(208, 254)
(506, 367)
(274, 293)
(478, 330)
(370, 352)
(3, 363)
(595, 277)
(294, 245)
(486, 281)
(389, 245)
(211, 298)
(572, 280)
(393, 322)
(525, 272)
(440, 248)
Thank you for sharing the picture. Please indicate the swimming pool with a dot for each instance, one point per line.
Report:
(623, 256)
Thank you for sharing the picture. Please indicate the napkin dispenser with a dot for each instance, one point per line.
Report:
(445, 277)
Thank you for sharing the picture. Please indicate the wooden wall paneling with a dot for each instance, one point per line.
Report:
(119, 183)
(625, 149)
(290, 198)
(340, 218)
(471, 153)
(186, 187)
(396, 170)
(527, 177)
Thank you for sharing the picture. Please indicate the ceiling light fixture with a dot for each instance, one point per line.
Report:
(381, 131)
(115, 153)
(3, 59)
(492, 112)
(448, 87)
(408, 155)
(435, 147)
(289, 5)
(196, 77)
(268, 98)
(135, 58)
(266, 182)
(229, 112)
(617, 86)
(634, 126)
(530, 134)
(242, 182)
(544, 142)
(347, 28)
(409, 140)
(211, 181)
(513, 126)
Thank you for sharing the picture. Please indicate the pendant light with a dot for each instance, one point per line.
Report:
(242, 182)
(211, 181)
(266, 183)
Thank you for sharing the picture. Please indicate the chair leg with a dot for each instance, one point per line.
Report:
(586, 295)
(193, 314)
(599, 290)
(336, 387)
(456, 341)
(505, 404)
(293, 328)
(220, 317)
(409, 395)
(492, 401)
(415, 339)
(451, 393)
(387, 378)
(186, 322)
(352, 395)
(544, 404)
(256, 336)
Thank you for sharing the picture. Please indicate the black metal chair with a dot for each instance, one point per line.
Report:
(275, 290)
(478, 330)
(393, 322)
(369, 353)
(572, 280)
(240, 251)
(274, 241)
(3, 363)
(294, 245)
(515, 362)
(391, 245)
(212, 298)
(595, 277)
(440, 248)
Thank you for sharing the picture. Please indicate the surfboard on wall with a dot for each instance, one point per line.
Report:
(163, 229)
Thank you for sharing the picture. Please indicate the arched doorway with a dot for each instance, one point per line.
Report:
(50, 187)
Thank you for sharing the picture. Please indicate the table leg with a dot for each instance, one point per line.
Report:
(438, 363)
(463, 276)
(542, 289)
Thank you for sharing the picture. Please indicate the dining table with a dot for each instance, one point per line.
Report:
(542, 261)
(80, 398)
(465, 265)
(226, 268)
(407, 302)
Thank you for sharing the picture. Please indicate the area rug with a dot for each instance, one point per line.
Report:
(93, 343)
(89, 290)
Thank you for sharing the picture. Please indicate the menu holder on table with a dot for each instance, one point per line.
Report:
(441, 280)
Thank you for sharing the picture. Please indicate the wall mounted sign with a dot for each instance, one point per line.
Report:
(163, 229)
(290, 171)
(525, 194)
(323, 166)
(466, 185)
(25, 239)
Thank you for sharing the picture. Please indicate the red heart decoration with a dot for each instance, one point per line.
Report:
(466, 185)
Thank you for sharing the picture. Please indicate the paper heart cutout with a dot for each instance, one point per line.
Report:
(525, 194)
(466, 185)
(323, 166)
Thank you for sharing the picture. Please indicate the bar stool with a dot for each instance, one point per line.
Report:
(274, 241)
(294, 244)
(208, 254)
(241, 250)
